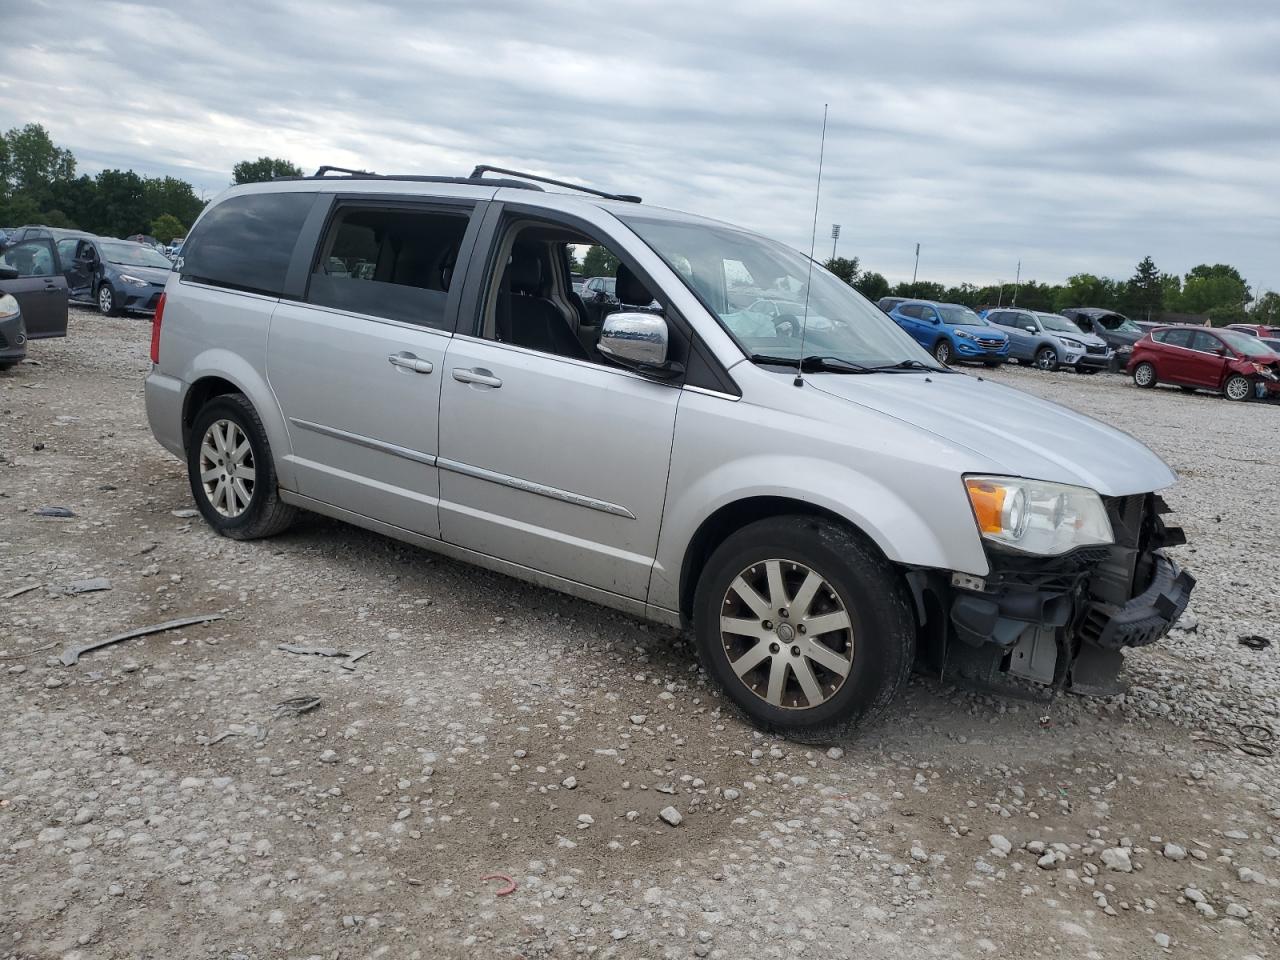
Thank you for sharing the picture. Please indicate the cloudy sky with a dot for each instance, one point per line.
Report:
(1074, 136)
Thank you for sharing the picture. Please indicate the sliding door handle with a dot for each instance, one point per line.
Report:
(407, 361)
(476, 375)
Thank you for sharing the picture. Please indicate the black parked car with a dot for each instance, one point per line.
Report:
(1119, 331)
(116, 275)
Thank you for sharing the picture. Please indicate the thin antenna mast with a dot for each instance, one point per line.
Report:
(813, 239)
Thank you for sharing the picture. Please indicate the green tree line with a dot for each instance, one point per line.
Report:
(1217, 291)
(38, 184)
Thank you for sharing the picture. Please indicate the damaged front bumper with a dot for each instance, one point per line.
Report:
(1062, 621)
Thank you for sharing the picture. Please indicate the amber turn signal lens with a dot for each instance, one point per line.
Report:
(988, 504)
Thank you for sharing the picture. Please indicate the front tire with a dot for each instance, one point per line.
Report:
(1144, 375)
(1047, 359)
(107, 305)
(1237, 388)
(807, 628)
(943, 352)
(232, 474)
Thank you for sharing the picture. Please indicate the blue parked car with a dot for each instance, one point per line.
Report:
(952, 332)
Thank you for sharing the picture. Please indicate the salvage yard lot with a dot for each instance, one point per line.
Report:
(154, 803)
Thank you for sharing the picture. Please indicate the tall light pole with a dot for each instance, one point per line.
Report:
(835, 237)
(1016, 282)
(917, 266)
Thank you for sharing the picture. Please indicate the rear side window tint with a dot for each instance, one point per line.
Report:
(1176, 338)
(246, 243)
(396, 264)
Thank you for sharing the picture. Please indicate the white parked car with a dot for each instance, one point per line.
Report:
(821, 503)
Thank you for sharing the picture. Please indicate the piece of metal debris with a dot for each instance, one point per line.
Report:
(1255, 642)
(19, 591)
(92, 585)
(72, 654)
(185, 514)
(348, 659)
(62, 512)
(296, 706)
(29, 653)
(501, 891)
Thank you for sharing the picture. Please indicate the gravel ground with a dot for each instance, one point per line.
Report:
(154, 803)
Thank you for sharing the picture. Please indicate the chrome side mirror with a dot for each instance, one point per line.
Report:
(639, 341)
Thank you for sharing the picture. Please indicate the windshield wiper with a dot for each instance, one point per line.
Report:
(912, 365)
(814, 364)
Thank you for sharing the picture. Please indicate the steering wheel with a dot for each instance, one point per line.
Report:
(786, 325)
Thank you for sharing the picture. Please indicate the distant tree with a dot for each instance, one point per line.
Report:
(1088, 290)
(575, 265)
(1171, 291)
(872, 285)
(167, 228)
(1144, 294)
(1266, 310)
(965, 293)
(1223, 315)
(263, 169)
(920, 290)
(121, 208)
(1206, 287)
(844, 268)
(172, 196)
(599, 262)
(31, 161)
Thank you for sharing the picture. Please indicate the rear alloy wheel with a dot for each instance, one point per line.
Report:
(107, 300)
(1237, 388)
(1047, 359)
(1144, 375)
(942, 352)
(233, 477)
(808, 629)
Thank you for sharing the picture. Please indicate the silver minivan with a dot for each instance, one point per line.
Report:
(822, 503)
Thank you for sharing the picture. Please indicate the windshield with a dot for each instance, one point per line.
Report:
(1113, 321)
(133, 255)
(1057, 323)
(1244, 344)
(716, 262)
(958, 316)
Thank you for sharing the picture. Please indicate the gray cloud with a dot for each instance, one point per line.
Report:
(1073, 136)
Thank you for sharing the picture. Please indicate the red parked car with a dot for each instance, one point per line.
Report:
(1255, 329)
(1225, 361)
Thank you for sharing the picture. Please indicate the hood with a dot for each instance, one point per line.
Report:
(158, 275)
(988, 333)
(1012, 432)
(1089, 339)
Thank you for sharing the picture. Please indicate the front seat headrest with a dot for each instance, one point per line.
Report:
(524, 273)
(630, 289)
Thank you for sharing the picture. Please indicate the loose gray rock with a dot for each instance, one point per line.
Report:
(1117, 858)
(1174, 852)
(671, 815)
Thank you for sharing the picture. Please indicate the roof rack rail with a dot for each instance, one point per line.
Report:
(479, 172)
(349, 174)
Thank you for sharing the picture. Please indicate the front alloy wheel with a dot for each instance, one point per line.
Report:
(1144, 375)
(106, 300)
(942, 352)
(227, 470)
(786, 634)
(1047, 359)
(1237, 388)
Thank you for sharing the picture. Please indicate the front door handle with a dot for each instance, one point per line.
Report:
(407, 361)
(476, 375)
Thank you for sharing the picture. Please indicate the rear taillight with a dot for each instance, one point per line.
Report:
(155, 329)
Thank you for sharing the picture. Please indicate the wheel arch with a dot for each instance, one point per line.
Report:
(735, 515)
(221, 372)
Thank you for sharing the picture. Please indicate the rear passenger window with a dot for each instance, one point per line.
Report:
(396, 264)
(911, 310)
(1176, 338)
(246, 243)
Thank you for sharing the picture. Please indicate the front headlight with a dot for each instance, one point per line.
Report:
(1036, 516)
(1265, 371)
(135, 281)
(965, 335)
(1073, 344)
(8, 307)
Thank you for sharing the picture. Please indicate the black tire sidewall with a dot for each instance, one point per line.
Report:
(1053, 365)
(236, 409)
(104, 285)
(884, 637)
(939, 348)
(1153, 375)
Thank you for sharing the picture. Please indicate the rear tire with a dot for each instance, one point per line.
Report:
(1144, 375)
(235, 487)
(943, 352)
(1238, 388)
(830, 633)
